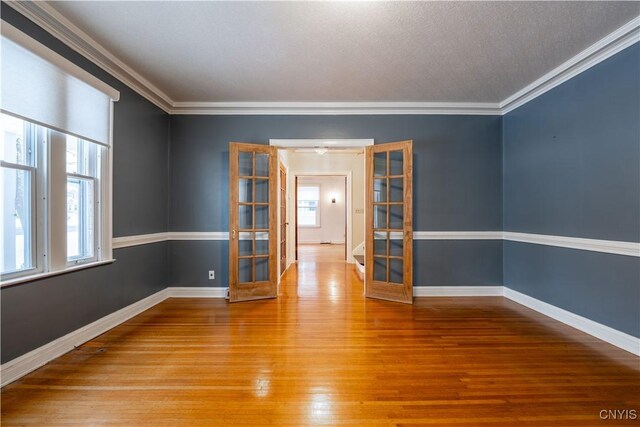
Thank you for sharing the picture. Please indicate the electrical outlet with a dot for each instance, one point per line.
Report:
(212, 274)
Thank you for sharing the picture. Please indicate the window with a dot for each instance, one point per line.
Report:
(55, 161)
(308, 206)
(18, 179)
(37, 161)
(83, 171)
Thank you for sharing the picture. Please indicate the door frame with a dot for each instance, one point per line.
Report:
(282, 168)
(348, 207)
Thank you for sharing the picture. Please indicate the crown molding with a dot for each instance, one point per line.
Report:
(64, 30)
(335, 108)
(605, 48)
(60, 27)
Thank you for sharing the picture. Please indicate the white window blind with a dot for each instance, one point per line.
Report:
(43, 87)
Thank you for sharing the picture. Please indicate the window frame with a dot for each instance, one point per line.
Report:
(49, 202)
(36, 171)
(318, 223)
(95, 168)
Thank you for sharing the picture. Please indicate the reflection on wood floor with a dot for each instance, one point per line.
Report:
(322, 354)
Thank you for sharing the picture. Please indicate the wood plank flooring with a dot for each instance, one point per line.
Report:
(323, 355)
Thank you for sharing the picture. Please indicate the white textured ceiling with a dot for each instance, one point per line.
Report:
(345, 51)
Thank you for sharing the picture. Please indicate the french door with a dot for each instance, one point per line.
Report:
(389, 222)
(253, 224)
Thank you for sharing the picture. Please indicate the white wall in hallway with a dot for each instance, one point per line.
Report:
(332, 215)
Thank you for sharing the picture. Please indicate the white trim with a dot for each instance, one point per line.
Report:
(60, 27)
(198, 235)
(325, 143)
(605, 48)
(457, 291)
(605, 333)
(64, 30)
(606, 246)
(20, 366)
(335, 108)
(197, 292)
(143, 239)
(457, 235)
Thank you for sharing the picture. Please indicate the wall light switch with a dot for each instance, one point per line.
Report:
(212, 274)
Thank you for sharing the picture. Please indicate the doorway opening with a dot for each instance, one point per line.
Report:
(325, 198)
(321, 218)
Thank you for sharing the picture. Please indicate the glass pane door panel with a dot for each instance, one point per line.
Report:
(380, 269)
(380, 243)
(379, 216)
(396, 190)
(395, 217)
(380, 190)
(262, 165)
(396, 244)
(262, 190)
(395, 271)
(245, 190)
(262, 269)
(245, 217)
(262, 217)
(245, 243)
(245, 164)
(245, 270)
(262, 243)
(396, 165)
(380, 164)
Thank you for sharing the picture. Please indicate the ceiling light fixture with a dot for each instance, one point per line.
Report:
(320, 150)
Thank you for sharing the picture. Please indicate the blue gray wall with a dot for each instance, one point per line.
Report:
(457, 186)
(35, 313)
(572, 168)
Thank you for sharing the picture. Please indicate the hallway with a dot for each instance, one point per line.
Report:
(323, 354)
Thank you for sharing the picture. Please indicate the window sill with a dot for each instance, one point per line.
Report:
(40, 276)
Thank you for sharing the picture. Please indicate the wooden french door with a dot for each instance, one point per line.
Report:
(253, 239)
(283, 219)
(389, 222)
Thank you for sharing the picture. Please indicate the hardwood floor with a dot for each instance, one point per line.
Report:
(322, 354)
(320, 253)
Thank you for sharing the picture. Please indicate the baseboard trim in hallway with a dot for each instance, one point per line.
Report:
(22, 365)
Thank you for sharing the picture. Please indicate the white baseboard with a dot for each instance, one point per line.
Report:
(605, 333)
(22, 365)
(457, 291)
(196, 292)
